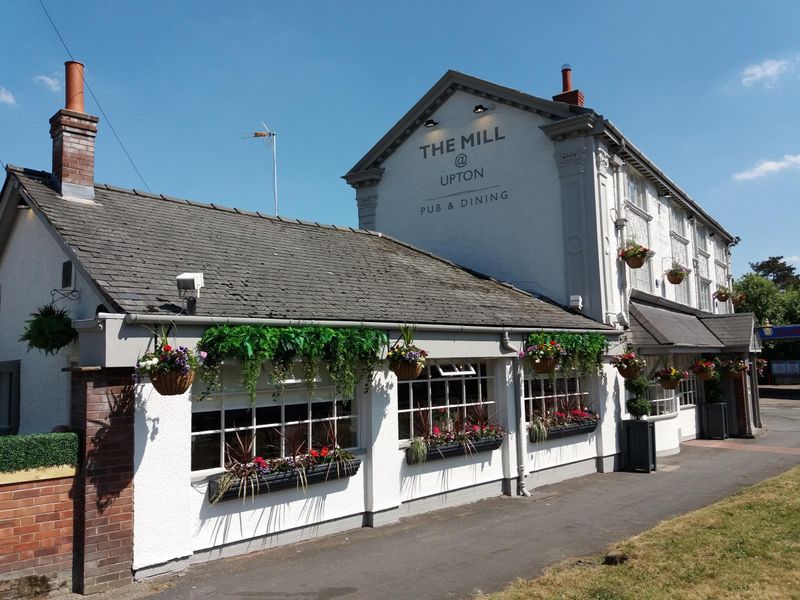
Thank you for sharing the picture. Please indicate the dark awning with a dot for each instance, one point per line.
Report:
(659, 326)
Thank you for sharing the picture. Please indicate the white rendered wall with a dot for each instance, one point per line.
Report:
(448, 474)
(30, 267)
(668, 435)
(515, 238)
(162, 525)
(688, 422)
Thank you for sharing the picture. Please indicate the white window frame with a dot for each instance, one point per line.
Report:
(687, 391)
(677, 221)
(664, 403)
(543, 402)
(483, 374)
(701, 296)
(233, 398)
(636, 192)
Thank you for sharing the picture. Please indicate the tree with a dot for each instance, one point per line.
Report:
(762, 297)
(778, 271)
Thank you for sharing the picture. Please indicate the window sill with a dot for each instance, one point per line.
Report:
(665, 417)
(638, 211)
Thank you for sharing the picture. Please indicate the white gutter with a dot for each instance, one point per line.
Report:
(140, 319)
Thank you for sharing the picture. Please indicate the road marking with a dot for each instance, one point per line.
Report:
(743, 446)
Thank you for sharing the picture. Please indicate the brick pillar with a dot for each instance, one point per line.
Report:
(102, 412)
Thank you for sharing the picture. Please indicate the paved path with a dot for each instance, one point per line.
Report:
(455, 553)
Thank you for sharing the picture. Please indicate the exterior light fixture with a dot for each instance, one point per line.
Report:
(22, 204)
(767, 328)
(479, 108)
(431, 123)
(711, 234)
(690, 217)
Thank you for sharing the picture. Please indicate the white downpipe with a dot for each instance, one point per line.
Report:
(519, 413)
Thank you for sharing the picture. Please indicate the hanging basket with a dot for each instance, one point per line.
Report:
(669, 384)
(705, 375)
(406, 371)
(172, 383)
(635, 262)
(722, 297)
(675, 278)
(629, 372)
(545, 365)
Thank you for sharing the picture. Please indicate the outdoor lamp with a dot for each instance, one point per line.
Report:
(767, 328)
(431, 123)
(479, 108)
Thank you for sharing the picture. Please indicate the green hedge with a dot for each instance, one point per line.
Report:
(20, 452)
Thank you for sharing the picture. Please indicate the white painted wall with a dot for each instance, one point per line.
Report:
(448, 474)
(162, 525)
(30, 267)
(689, 422)
(668, 435)
(517, 238)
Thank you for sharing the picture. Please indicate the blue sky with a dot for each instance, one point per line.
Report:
(708, 90)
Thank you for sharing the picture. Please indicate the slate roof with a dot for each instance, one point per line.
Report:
(660, 324)
(133, 244)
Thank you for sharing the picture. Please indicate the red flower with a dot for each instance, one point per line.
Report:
(475, 428)
(167, 348)
(436, 430)
(324, 452)
(314, 453)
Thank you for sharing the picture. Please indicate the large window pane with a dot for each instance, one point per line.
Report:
(206, 451)
(240, 417)
(207, 421)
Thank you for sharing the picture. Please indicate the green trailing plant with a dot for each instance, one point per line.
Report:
(37, 450)
(582, 352)
(538, 431)
(638, 406)
(347, 353)
(49, 329)
(418, 450)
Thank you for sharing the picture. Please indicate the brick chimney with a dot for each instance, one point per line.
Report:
(73, 133)
(567, 94)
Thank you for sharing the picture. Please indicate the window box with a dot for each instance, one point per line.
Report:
(448, 450)
(559, 431)
(285, 479)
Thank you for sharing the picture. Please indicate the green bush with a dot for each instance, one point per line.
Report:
(20, 452)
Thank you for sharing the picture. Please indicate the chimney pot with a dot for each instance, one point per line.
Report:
(74, 85)
(568, 95)
(566, 78)
(73, 133)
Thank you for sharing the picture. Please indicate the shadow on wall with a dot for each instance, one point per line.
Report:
(264, 514)
(111, 438)
(413, 476)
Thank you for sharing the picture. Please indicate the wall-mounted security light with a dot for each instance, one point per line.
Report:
(21, 204)
(479, 108)
(690, 217)
(576, 302)
(431, 123)
(189, 282)
(711, 234)
(620, 223)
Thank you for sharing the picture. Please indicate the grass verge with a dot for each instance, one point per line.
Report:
(745, 546)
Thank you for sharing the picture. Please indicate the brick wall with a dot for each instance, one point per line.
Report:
(102, 411)
(35, 533)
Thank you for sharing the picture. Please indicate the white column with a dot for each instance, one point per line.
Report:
(610, 392)
(384, 459)
(506, 417)
(162, 523)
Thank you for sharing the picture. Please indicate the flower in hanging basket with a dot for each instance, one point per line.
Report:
(738, 299)
(628, 364)
(734, 368)
(761, 365)
(171, 370)
(545, 357)
(677, 273)
(722, 294)
(670, 377)
(406, 359)
(634, 254)
(704, 369)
